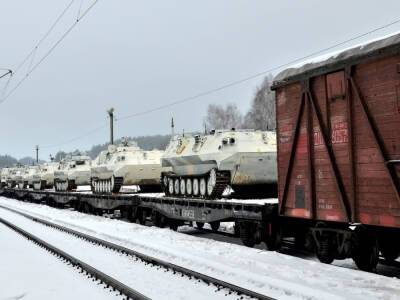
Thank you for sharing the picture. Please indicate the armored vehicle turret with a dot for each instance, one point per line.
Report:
(72, 172)
(27, 176)
(204, 165)
(126, 164)
(44, 178)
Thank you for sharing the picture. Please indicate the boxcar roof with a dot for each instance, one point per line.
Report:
(386, 45)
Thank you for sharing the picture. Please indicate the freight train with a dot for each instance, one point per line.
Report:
(338, 163)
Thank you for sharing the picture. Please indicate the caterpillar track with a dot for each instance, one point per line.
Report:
(208, 186)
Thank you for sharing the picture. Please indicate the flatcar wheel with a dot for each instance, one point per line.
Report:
(211, 182)
(365, 253)
(183, 186)
(195, 187)
(176, 186)
(170, 186)
(189, 186)
(214, 225)
(203, 187)
(199, 225)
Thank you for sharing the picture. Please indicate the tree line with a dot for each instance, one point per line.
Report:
(261, 115)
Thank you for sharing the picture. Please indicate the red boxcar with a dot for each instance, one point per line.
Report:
(338, 131)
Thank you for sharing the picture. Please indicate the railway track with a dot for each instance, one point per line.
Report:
(168, 267)
(290, 248)
(91, 271)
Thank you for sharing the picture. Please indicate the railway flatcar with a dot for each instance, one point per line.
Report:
(338, 133)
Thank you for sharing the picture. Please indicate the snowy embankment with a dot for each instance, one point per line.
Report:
(30, 272)
(270, 273)
(153, 282)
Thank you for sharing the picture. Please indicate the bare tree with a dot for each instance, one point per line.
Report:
(219, 117)
(262, 113)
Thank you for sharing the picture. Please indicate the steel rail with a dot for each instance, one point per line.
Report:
(91, 271)
(220, 284)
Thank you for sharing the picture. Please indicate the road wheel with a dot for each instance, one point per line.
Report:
(112, 184)
(211, 182)
(171, 186)
(203, 187)
(195, 187)
(176, 186)
(189, 189)
(183, 186)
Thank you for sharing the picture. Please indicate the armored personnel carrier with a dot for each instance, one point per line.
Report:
(44, 178)
(205, 165)
(27, 176)
(3, 177)
(72, 172)
(14, 176)
(126, 164)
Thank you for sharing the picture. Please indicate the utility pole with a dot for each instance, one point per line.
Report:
(37, 154)
(111, 116)
(172, 128)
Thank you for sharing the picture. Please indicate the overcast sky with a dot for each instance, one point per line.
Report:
(137, 55)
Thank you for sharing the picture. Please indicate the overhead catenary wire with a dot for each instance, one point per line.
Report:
(41, 40)
(76, 138)
(259, 74)
(210, 91)
(4, 89)
(63, 36)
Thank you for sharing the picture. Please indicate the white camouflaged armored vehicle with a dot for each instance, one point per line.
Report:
(3, 177)
(72, 172)
(14, 176)
(27, 176)
(204, 165)
(44, 178)
(126, 164)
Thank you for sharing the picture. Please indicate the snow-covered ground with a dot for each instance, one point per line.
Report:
(273, 274)
(151, 281)
(31, 273)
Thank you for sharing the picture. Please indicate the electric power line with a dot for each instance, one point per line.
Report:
(44, 36)
(76, 138)
(230, 84)
(49, 51)
(262, 73)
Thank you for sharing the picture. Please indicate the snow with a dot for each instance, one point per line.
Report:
(151, 281)
(270, 273)
(334, 54)
(29, 272)
(250, 201)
